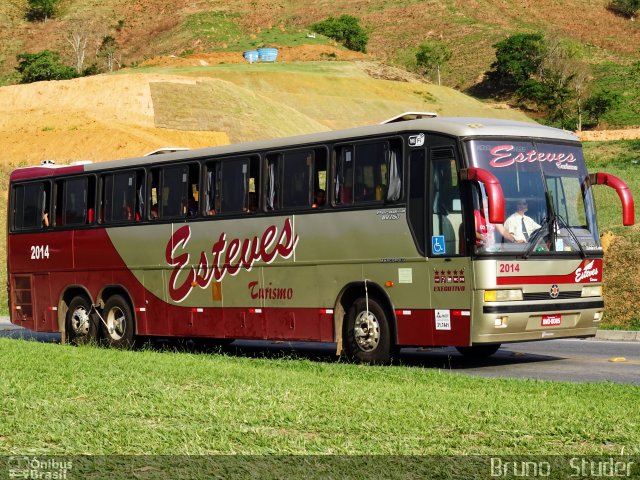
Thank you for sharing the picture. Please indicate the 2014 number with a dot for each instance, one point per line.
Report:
(509, 267)
(39, 252)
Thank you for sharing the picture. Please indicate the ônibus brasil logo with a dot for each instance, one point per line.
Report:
(226, 257)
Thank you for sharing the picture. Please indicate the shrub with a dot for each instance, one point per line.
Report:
(43, 65)
(345, 30)
(628, 8)
(41, 10)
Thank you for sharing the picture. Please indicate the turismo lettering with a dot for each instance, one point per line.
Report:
(503, 157)
(226, 257)
(269, 293)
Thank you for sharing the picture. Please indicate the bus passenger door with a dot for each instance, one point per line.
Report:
(449, 264)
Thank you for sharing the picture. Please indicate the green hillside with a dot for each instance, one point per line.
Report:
(607, 43)
(264, 101)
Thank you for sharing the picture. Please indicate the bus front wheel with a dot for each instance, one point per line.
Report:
(367, 337)
(81, 325)
(117, 329)
(479, 351)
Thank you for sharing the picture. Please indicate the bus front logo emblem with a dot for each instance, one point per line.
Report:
(554, 292)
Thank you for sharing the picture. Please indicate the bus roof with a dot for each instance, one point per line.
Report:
(455, 126)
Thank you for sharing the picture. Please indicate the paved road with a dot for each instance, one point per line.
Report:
(561, 360)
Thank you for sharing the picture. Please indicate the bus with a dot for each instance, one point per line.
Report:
(375, 238)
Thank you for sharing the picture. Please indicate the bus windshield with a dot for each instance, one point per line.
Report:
(548, 207)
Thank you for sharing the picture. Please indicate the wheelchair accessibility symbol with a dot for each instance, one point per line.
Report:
(437, 245)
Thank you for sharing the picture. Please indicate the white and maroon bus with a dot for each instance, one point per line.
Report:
(375, 238)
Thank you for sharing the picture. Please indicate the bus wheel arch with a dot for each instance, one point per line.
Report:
(118, 323)
(76, 322)
(354, 295)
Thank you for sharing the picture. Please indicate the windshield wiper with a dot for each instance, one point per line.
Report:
(550, 220)
(533, 240)
(573, 235)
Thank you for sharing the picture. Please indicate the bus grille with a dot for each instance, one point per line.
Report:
(547, 296)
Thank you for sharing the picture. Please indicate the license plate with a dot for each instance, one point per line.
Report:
(551, 320)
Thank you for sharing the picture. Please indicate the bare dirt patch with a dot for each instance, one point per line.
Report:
(300, 53)
(97, 118)
(607, 135)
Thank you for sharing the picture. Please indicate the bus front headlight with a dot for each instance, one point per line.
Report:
(592, 291)
(503, 295)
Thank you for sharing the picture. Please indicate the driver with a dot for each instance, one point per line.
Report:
(519, 224)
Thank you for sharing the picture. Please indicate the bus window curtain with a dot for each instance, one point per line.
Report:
(211, 194)
(271, 194)
(395, 182)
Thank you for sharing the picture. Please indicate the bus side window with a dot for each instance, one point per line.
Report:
(254, 185)
(320, 179)
(174, 191)
(297, 178)
(72, 201)
(232, 186)
(31, 206)
(139, 215)
(154, 194)
(193, 199)
(343, 176)
(212, 205)
(46, 205)
(370, 172)
(119, 198)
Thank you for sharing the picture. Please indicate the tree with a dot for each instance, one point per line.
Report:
(628, 8)
(41, 10)
(599, 103)
(107, 50)
(518, 57)
(345, 30)
(433, 56)
(43, 65)
(78, 36)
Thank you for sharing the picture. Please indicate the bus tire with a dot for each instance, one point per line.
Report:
(119, 329)
(479, 351)
(81, 325)
(367, 336)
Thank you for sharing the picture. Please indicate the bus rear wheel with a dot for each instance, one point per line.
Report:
(81, 325)
(117, 329)
(367, 336)
(479, 351)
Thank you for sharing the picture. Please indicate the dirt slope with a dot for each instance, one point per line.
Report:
(116, 116)
(97, 118)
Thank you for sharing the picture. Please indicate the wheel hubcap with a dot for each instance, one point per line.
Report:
(367, 331)
(117, 323)
(80, 321)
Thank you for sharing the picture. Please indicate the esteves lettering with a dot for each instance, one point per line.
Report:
(587, 272)
(226, 257)
(503, 157)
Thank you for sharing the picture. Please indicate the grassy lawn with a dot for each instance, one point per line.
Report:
(65, 400)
